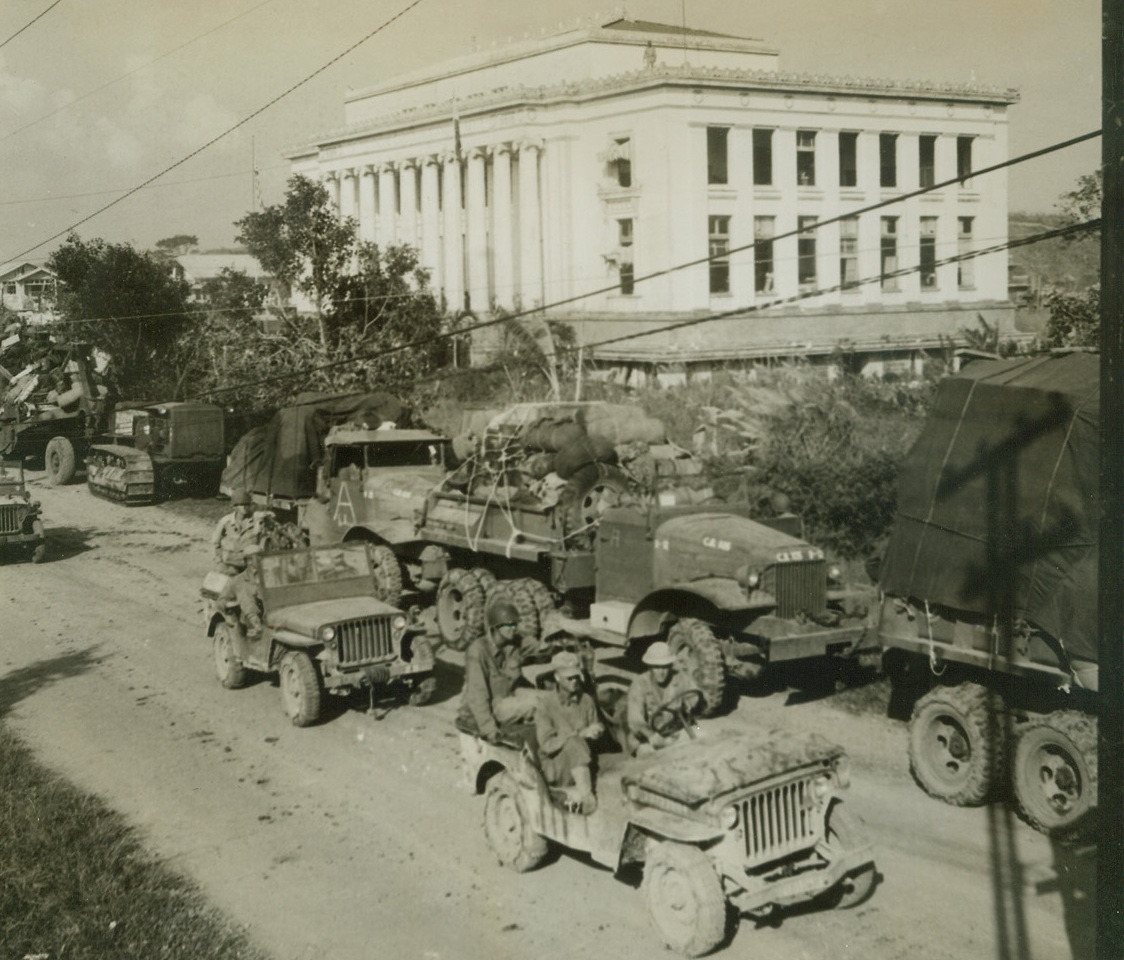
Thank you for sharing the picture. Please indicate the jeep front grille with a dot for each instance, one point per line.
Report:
(361, 641)
(800, 587)
(11, 517)
(780, 821)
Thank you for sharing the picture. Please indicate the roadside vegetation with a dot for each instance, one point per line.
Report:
(76, 882)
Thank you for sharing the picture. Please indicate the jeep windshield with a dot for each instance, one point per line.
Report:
(317, 565)
(11, 476)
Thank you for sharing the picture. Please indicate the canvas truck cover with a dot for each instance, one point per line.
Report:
(280, 458)
(1007, 461)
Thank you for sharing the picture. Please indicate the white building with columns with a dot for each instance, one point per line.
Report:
(630, 176)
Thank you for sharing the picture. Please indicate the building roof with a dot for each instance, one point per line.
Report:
(24, 270)
(649, 26)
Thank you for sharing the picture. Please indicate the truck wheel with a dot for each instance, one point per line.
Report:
(422, 692)
(230, 672)
(59, 460)
(841, 836)
(693, 645)
(507, 825)
(955, 751)
(484, 577)
(301, 688)
(685, 899)
(387, 572)
(460, 609)
(587, 495)
(1055, 774)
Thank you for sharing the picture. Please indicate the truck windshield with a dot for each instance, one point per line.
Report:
(410, 454)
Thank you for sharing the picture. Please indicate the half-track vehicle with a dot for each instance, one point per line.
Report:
(21, 523)
(323, 629)
(159, 451)
(751, 821)
(989, 619)
(630, 543)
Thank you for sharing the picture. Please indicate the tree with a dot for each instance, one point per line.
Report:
(1075, 318)
(128, 305)
(171, 247)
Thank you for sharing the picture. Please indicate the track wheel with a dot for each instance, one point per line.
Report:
(685, 899)
(956, 747)
(460, 609)
(301, 688)
(507, 825)
(1055, 774)
(693, 644)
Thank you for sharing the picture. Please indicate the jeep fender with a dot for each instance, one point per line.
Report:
(707, 600)
(651, 824)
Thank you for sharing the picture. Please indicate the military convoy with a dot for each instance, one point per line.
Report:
(990, 590)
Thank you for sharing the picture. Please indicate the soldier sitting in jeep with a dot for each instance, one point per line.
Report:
(660, 685)
(566, 723)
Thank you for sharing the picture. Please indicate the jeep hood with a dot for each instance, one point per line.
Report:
(696, 772)
(307, 618)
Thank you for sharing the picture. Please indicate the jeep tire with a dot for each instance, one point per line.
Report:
(301, 688)
(685, 900)
(507, 826)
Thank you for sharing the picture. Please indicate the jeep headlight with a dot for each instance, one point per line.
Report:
(729, 817)
(399, 623)
(327, 634)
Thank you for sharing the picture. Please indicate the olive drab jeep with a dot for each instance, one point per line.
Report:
(320, 629)
(21, 525)
(741, 820)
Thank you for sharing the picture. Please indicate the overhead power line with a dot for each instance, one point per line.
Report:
(194, 153)
(29, 23)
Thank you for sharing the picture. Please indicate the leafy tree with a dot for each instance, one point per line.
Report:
(177, 246)
(128, 305)
(1075, 318)
(233, 292)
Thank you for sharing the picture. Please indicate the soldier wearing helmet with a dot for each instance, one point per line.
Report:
(661, 683)
(495, 693)
(234, 533)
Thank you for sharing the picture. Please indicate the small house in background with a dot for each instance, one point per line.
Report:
(195, 269)
(29, 289)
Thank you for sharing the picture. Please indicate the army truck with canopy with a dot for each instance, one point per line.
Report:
(614, 535)
(989, 616)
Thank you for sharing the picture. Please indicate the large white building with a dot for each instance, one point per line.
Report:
(563, 171)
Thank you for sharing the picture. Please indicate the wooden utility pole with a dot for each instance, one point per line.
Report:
(1110, 851)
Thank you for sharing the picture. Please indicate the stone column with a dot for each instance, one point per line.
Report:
(454, 240)
(387, 205)
(367, 203)
(332, 182)
(502, 227)
(476, 222)
(349, 203)
(408, 198)
(530, 224)
(431, 221)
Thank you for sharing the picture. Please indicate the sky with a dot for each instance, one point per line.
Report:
(100, 96)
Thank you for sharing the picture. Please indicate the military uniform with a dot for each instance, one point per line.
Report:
(491, 696)
(559, 722)
(645, 697)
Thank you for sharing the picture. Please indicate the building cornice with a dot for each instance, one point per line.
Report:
(666, 75)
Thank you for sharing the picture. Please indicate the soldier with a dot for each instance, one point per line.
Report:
(493, 675)
(565, 724)
(660, 684)
(236, 537)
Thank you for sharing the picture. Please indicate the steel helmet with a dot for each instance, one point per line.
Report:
(658, 655)
(500, 611)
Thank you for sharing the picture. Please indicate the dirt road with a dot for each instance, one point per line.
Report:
(352, 839)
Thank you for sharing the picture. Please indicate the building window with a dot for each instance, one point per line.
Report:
(764, 229)
(716, 165)
(849, 252)
(963, 158)
(848, 159)
(966, 269)
(763, 157)
(806, 253)
(889, 254)
(888, 159)
(806, 158)
(624, 244)
(620, 159)
(927, 160)
(928, 253)
(719, 254)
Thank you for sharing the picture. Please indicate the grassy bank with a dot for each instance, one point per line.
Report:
(76, 882)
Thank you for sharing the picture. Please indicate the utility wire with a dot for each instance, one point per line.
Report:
(28, 24)
(694, 321)
(194, 153)
(125, 76)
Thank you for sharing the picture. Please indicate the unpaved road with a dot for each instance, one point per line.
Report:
(352, 839)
